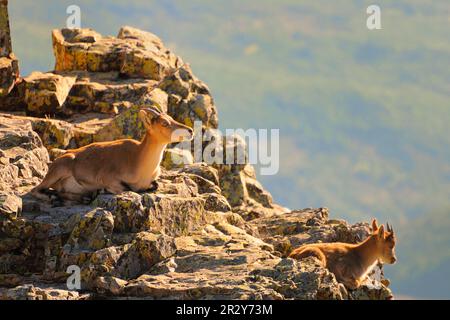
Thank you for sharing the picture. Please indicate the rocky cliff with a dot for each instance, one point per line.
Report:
(207, 232)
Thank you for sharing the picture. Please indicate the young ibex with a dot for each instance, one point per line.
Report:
(351, 263)
(115, 166)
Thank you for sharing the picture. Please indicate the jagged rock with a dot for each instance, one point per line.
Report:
(375, 291)
(91, 230)
(9, 66)
(43, 292)
(45, 93)
(130, 215)
(301, 280)
(203, 170)
(124, 125)
(54, 133)
(39, 237)
(72, 49)
(216, 202)
(244, 193)
(23, 159)
(95, 265)
(108, 101)
(176, 158)
(210, 264)
(109, 284)
(172, 215)
(109, 93)
(195, 107)
(134, 53)
(232, 183)
(218, 260)
(14, 100)
(238, 179)
(10, 205)
(145, 251)
(215, 265)
(149, 58)
(292, 223)
(189, 99)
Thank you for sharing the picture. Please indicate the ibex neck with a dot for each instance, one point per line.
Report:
(151, 153)
(367, 251)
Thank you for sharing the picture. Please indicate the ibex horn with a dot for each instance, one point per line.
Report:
(389, 228)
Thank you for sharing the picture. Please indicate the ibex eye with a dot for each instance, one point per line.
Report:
(165, 124)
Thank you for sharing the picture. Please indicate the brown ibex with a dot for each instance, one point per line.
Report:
(351, 263)
(114, 166)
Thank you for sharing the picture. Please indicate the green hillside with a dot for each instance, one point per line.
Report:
(363, 115)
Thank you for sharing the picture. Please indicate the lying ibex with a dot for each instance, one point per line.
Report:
(115, 166)
(351, 263)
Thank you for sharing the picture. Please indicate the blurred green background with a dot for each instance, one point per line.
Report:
(363, 115)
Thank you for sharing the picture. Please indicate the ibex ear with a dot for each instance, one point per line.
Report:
(374, 225)
(381, 232)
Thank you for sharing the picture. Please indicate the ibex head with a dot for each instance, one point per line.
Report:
(163, 127)
(385, 242)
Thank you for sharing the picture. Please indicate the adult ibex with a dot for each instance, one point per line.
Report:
(114, 166)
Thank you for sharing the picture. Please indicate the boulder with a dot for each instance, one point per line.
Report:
(10, 205)
(109, 93)
(45, 93)
(134, 53)
(144, 252)
(305, 280)
(91, 230)
(41, 292)
(189, 99)
(371, 291)
(23, 158)
(168, 214)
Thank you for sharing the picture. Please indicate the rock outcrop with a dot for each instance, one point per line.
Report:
(207, 232)
(9, 66)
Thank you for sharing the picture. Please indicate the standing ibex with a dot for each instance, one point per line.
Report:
(351, 263)
(114, 166)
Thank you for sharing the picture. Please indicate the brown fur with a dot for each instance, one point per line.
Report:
(114, 166)
(352, 262)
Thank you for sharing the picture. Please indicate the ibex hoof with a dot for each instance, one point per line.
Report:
(153, 187)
